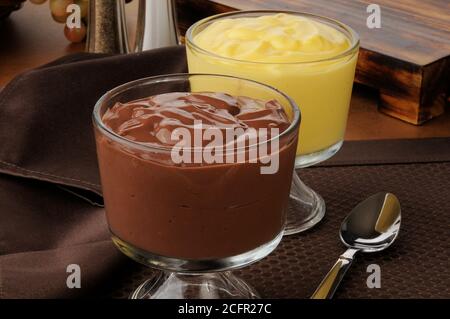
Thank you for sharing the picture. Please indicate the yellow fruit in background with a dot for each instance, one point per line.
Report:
(58, 9)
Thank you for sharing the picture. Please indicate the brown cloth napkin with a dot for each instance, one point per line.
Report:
(46, 136)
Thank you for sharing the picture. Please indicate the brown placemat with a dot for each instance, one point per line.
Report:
(417, 265)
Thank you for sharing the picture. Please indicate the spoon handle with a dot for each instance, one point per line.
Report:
(329, 284)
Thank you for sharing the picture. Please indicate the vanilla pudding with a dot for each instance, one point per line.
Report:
(308, 58)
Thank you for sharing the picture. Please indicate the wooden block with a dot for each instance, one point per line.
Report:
(407, 60)
(409, 92)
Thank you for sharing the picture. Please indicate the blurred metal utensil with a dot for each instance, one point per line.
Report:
(156, 25)
(107, 30)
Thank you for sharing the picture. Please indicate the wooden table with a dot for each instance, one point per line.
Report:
(30, 38)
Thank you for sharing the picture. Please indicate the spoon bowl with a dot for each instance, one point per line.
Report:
(373, 224)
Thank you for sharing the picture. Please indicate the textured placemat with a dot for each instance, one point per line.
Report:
(416, 266)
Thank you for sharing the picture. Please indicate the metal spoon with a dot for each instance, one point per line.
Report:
(371, 226)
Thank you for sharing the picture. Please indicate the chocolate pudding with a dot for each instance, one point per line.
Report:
(192, 210)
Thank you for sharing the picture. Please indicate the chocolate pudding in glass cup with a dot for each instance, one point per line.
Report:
(195, 181)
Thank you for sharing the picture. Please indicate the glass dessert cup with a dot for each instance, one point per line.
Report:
(194, 223)
(321, 87)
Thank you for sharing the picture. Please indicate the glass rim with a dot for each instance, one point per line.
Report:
(98, 122)
(352, 49)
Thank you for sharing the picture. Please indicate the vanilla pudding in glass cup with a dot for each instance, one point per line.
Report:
(310, 58)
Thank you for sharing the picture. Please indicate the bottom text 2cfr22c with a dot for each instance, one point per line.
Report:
(226, 308)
